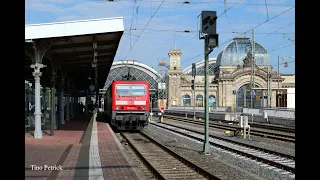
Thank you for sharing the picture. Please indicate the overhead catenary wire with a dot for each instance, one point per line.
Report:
(257, 12)
(137, 12)
(225, 10)
(225, 5)
(125, 42)
(246, 31)
(133, 15)
(274, 32)
(265, 1)
(279, 44)
(212, 2)
(195, 31)
(260, 24)
(143, 29)
(129, 34)
(289, 62)
(281, 48)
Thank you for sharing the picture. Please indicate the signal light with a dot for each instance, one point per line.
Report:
(192, 84)
(208, 23)
(194, 70)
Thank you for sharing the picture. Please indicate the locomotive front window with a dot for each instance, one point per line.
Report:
(123, 90)
(138, 90)
(130, 90)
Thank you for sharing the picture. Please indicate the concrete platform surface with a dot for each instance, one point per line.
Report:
(81, 149)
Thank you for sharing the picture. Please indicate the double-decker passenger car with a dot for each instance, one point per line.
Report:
(127, 104)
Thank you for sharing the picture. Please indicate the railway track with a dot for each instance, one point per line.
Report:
(164, 163)
(266, 157)
(287, 129)
(288, 137)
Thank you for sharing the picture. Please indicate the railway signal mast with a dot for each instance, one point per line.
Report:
(208, 32)
(194, 73)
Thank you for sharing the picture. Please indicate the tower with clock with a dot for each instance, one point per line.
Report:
(174, 79)
(174, 58)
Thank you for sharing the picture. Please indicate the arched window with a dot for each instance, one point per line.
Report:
(199, 100)
(212, 101)
(186, 100)
(243, 97)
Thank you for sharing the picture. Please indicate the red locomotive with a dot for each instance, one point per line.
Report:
(127, 104)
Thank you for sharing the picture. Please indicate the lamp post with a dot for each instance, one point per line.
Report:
(285, 65)
(194, 72)
(194, 99)
(151, 110)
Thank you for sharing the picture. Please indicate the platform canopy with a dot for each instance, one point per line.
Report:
(71, 49)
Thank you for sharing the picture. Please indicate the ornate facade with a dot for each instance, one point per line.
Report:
(230, 72)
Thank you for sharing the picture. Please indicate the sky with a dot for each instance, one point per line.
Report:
(158, 25)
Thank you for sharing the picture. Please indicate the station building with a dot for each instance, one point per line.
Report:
(229, 79)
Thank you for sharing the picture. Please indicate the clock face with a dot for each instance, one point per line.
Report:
(175, 62)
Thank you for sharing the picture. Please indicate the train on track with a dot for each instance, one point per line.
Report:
(127, 104)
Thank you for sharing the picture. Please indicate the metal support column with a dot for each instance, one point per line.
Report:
(40, 47)
(87, 101)
(253, 64)
(45, 105)
(151, 113)
(62, 121)
(26, 99)
(194, 98)
(30, 101)
(77, 105)
(72, 104)
(53, 124)
(68, 103)
(75, 99)
(235, 105)
(269, 90)
(206, 145)
(262, 100)
(37, 74)
(95, 66)
(245, 97)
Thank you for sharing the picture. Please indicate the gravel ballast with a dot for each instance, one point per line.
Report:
(221, 163)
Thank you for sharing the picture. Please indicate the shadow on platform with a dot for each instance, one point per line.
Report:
(78, 124)
(102, 117)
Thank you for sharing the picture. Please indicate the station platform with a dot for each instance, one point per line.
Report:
(81, 149)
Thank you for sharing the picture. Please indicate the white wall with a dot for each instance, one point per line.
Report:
(291, 98)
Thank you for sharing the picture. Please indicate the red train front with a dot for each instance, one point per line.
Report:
(127, 104)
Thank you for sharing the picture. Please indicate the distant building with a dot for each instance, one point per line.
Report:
(229, 72)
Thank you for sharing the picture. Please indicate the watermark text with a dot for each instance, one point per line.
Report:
(46, 168)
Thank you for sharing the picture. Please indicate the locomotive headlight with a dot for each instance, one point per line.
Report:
(117, 107)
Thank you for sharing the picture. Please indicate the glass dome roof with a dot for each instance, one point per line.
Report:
(234, 53)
